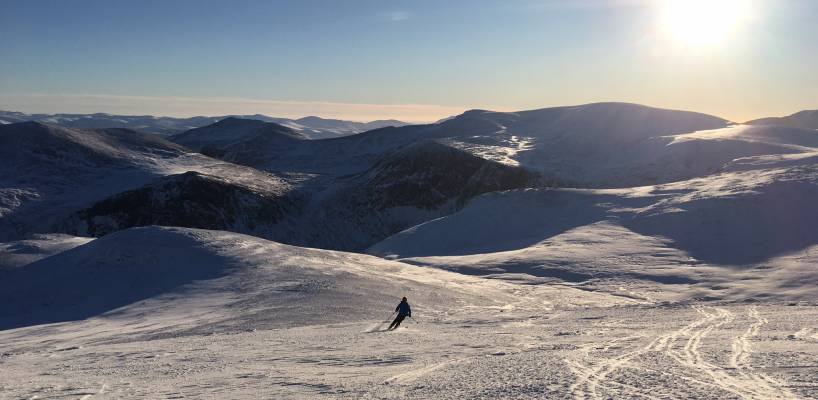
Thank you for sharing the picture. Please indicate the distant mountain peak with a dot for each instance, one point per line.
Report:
(312, 127)
(807, 119)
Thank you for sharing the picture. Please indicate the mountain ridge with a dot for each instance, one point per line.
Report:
(313, 128)
(803, 119)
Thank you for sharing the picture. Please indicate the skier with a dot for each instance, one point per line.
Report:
(403, 311)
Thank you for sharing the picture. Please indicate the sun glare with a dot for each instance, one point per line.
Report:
(703, 22)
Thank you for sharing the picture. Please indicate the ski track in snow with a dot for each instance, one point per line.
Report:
(452, 353)
(743, 382)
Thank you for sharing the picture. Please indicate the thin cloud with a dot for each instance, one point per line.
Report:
(397, 16)
(177, 106)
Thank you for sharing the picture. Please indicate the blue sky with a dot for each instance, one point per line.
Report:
(416, 60)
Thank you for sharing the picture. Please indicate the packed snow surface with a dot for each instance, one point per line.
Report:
(210, 314)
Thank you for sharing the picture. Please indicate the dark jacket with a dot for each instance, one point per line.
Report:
(404, 309)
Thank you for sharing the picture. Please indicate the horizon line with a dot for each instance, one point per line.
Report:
(38, 103)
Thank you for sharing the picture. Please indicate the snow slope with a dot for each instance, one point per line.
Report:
(231, 281)
(215, 139)
(23, 252)
(171, 313)
(194, 200)
(98, 182)
(528, 138)
(619, 145)
(594, 145)
(418, 182)
(738, 234)
(807, 119)
(49, 172)
(47, 168)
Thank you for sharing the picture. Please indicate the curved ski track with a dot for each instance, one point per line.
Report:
(683, 346)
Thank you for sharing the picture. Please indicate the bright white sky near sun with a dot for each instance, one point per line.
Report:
(415, 60)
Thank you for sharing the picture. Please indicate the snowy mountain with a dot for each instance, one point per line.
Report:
(422, 181)
(143, 123)
(355, 191)
(807, 119)
(594, 145)
(561, 141)
(323, 128)
(310, 127)
(49, 172)
(215, 139)
(47, 168)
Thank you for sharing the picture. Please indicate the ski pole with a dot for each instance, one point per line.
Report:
(390, 316)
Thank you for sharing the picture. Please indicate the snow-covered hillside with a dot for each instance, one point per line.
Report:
(198, 200)
(422, 181)
(216, 139)
(564, 142)
(103, 181)
(23, 252)
(720, 235)
(595, 145)
(609, 145)
(46, 169)
(807, 119)
(170, 312)
(418, 182)
(238, 281)
(49, 172)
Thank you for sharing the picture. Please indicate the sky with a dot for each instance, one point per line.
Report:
(413, 60)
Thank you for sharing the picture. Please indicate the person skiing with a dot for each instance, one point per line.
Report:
(403, 311)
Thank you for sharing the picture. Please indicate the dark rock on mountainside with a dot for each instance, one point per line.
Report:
(417, 183)
(406, 187)
(191, 200)
(429, 174)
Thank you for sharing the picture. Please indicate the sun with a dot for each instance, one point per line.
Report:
(703, 22)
